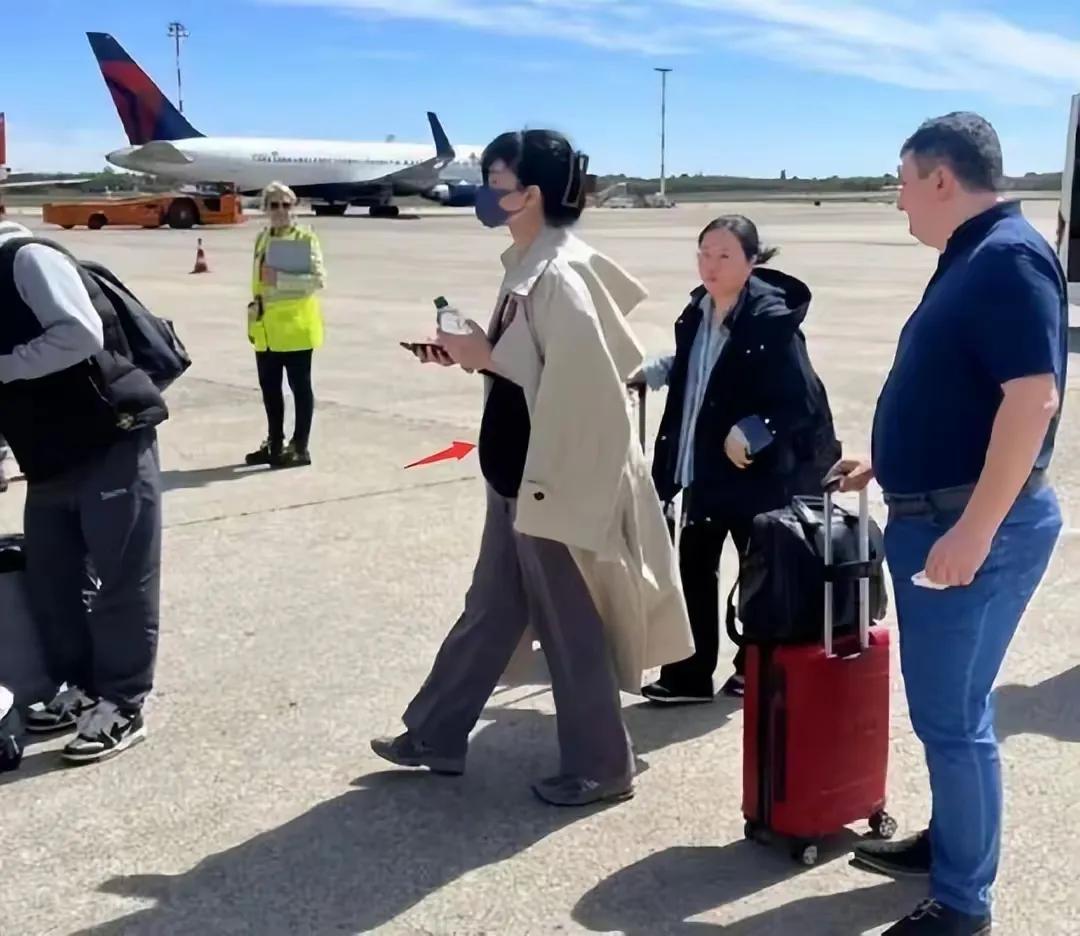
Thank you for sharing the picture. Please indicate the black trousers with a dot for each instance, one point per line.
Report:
(699, 565)
(273, 366)
(99, 631)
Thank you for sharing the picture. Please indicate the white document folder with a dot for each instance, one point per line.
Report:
(289, 256)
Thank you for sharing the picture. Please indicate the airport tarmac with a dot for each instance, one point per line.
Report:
(301, 610)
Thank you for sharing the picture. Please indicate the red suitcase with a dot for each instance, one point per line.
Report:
(816, 729)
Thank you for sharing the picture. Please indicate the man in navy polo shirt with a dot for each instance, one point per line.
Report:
(963, 435)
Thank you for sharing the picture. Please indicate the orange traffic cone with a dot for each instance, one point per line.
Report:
(200, 260)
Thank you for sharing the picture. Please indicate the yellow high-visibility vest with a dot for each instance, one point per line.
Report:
(291, 312)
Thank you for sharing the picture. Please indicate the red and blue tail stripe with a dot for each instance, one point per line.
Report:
(146, 113)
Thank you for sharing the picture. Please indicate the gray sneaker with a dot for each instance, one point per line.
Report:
(581, 791)
(407, 751)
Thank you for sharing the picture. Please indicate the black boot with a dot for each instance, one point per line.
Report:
(266, 454)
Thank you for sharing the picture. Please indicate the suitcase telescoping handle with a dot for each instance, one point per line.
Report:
(864, 581)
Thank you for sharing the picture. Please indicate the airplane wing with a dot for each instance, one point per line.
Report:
(424, 175)
(4, 186)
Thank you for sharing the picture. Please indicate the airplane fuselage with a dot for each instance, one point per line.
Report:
(251, 163)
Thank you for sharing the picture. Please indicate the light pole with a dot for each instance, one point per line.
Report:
(178, 31)
(663, 126)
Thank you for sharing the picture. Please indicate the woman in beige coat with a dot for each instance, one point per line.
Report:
(575, 549)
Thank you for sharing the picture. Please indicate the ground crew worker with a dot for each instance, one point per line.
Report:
(285, 326)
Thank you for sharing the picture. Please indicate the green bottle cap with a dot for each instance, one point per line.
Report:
(441, 303)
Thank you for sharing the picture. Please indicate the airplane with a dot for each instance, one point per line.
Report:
(5, 172)
(332, 174)
(1068, 232)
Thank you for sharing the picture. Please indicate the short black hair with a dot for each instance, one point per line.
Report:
(963, 141)
(546, 159)
(747, 233)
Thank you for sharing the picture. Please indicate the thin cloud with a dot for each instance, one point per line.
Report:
(909, 46)
(942, 50)
(598, 23)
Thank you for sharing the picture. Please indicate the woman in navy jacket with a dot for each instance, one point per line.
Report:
(746, 426)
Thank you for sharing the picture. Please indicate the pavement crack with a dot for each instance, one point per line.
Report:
(319, 502)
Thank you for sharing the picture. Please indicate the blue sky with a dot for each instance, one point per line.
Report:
(816, 87)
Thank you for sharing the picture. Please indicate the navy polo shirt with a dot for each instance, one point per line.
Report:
(995, 310)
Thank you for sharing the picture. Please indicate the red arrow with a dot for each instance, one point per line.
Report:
(458, 450)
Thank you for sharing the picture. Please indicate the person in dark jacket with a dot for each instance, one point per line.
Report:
(80, 418)
(746, 426)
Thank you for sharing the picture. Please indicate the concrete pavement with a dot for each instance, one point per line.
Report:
(302, 609)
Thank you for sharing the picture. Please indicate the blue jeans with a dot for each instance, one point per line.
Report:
(952, 644)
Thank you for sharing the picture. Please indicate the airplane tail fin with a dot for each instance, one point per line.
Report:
(443, 149)
(147, 115)
(3, 141)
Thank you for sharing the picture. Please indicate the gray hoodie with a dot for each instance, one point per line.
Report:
(49, 284)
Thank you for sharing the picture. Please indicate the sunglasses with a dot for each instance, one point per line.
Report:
(278, 206)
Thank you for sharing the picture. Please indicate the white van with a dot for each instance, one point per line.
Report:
(1068, 233)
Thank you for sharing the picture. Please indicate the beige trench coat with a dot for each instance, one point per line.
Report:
(586, 482)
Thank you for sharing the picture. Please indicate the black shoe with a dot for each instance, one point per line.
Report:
(909, 857)
(581, 791)
(931, 918)
(265, 454)
(407, 751)
(662, 695)
(292, 457)
(104, 732)
(61, 713)
(735, 686)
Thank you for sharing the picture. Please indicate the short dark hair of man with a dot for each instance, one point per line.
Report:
(963, 141)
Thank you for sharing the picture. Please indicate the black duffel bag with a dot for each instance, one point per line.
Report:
(782, 575)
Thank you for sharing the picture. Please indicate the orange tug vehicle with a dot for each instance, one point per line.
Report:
(180, 211)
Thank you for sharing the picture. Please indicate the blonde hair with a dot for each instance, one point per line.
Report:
(279, 189)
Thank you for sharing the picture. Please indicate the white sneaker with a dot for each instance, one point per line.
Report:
(104, 732)
(61, 713)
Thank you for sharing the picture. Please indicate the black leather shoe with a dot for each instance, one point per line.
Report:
(908, 857)
(931, 918)
(662, 695)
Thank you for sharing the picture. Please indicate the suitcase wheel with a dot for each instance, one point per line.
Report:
(805, 853)
(883, 825)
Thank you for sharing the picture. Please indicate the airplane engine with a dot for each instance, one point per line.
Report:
(459, 195)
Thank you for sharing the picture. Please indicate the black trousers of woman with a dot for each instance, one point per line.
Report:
(700, 547)
(296, 365)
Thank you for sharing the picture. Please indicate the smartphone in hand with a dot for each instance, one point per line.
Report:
(428, 352)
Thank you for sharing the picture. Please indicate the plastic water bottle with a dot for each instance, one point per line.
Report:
(449, 319)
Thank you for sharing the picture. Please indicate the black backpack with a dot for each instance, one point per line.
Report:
(782, 576)
(153, 344)
(156, 349)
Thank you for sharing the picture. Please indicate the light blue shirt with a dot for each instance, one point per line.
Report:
(708, 345)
